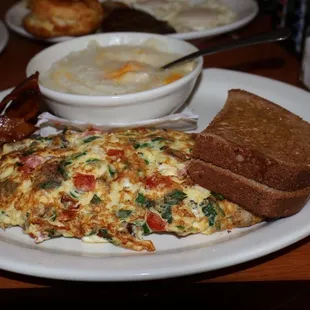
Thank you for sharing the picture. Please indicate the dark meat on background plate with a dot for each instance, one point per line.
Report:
(109, 6)
(129, 19)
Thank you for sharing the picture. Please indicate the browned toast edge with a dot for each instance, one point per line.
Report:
(254, 197)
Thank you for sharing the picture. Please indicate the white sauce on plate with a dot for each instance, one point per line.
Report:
(186, 16)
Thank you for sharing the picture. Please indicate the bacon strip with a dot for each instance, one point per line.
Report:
(19, 109)
(25, 99)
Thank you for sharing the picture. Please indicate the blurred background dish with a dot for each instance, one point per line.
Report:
(4, 36)
(190, 19)
(55, 18)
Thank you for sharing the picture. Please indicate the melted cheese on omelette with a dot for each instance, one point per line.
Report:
(112, 187)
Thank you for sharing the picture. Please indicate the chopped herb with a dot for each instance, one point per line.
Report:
(92, 232)
(95, 200)
(145, 202)
(54, 216)
(27, 214)
(61, 168)
(122, 214)
(103, 233)
(90, 139)
(50, 231)
(215, 204)
(149, 203)
(140, 199)
(139, 145)
(2, 212)
(111, 171)
(73, 195)
(218, 196)
(175, 197)
(218, 225)
(64, 130)
(139, 223)
(163, 147)
(146, 161)
(44, 139)
(92, 160)
(50, 184)
(28, 152)
(209, 211)
(180, 227)
(18, 164)
(33, 144)
(167, 214)
(158, 139)
(77, 155)
(146, 229)
(190, 149)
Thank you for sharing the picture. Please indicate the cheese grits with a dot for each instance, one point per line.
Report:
(114, 70)
(115, 187)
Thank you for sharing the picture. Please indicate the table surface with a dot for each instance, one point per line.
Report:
(269, 60)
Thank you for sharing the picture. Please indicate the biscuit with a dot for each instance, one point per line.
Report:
(53, 18)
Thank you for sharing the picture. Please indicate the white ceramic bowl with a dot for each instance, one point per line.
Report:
(132, 107)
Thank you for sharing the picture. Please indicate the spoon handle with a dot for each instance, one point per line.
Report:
(272, 36)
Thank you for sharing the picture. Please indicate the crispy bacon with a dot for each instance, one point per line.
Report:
(19, 110)
(14, 129)
(25, 99)
(31, 162)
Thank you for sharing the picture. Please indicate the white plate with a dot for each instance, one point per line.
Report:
(246, 10)
(4, 36)
(71, 259)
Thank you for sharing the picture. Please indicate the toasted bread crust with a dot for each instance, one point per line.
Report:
(254, 197)
(260, 140)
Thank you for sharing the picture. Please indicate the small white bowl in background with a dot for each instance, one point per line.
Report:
(132, 107)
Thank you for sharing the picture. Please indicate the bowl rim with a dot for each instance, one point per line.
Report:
(115, 100)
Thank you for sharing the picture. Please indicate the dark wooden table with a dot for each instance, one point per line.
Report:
(290, 266)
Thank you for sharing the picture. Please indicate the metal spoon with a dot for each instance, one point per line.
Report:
(279, 34)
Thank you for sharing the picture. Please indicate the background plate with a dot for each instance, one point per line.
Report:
(71, 259)
(246, 10)
(4, 36)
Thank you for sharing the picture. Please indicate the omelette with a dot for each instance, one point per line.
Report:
(116, 187)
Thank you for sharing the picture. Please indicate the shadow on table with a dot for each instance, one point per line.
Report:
(253, 295)
(270, 63)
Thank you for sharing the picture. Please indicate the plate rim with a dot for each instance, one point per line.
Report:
(208, 33)
(221, 29)
(4, 41)
(258, 248)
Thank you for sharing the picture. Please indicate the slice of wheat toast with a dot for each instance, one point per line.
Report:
(258, 139)
(254, 197)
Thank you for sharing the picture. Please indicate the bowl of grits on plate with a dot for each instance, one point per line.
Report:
(115, 77)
